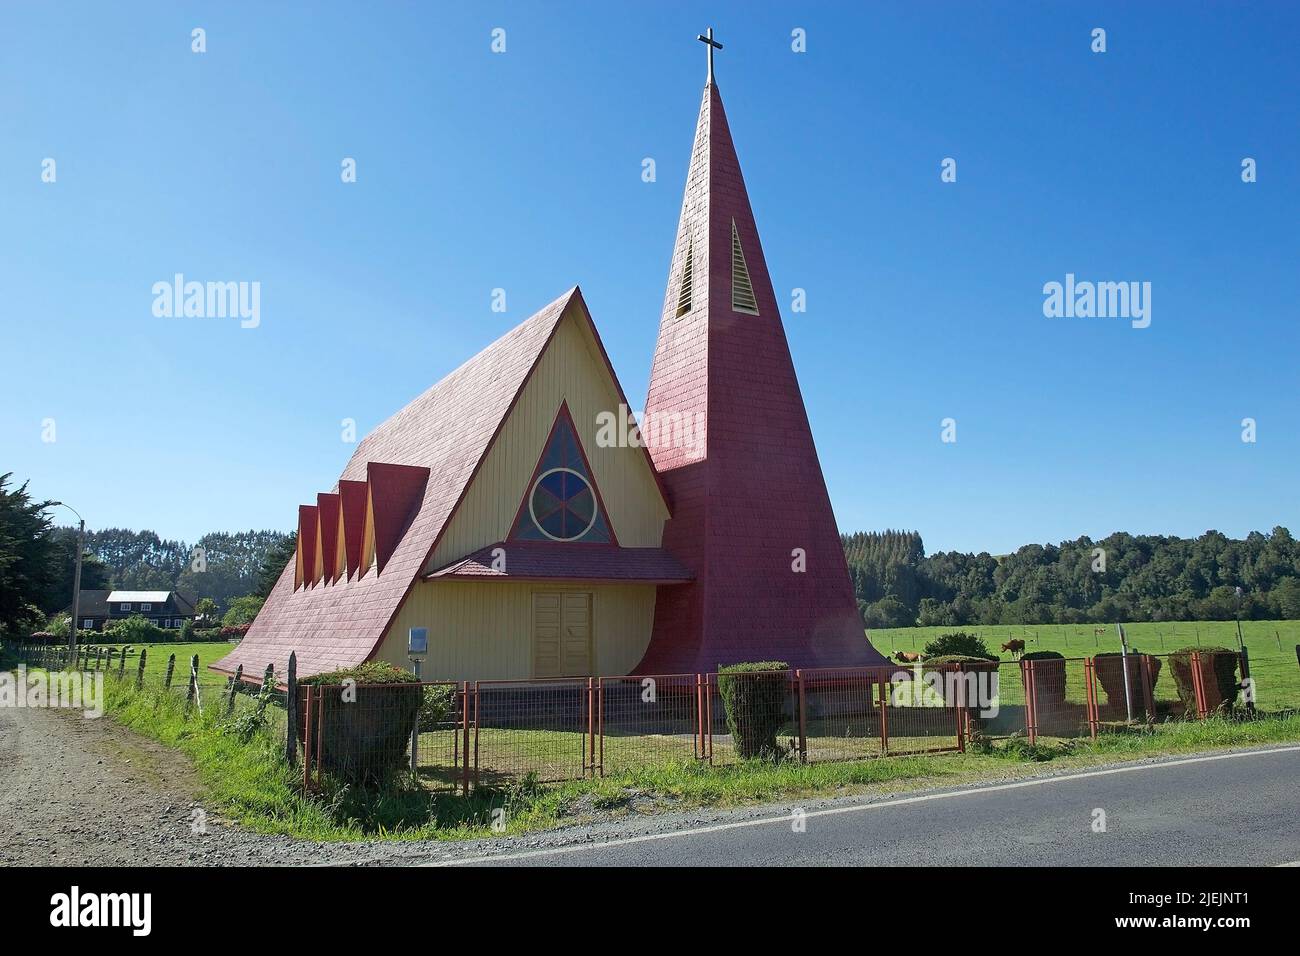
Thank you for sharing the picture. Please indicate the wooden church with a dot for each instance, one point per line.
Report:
(500, 512)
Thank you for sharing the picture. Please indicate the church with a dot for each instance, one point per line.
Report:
(502, 513)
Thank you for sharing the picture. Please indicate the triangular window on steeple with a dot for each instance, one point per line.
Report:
(687, 287)
(561, 502)
(742, 290)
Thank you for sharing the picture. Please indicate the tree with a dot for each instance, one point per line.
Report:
(206, 611)
(242, 610)
(274, 562)
(27, 564)
(1287, 594)
(94, 575)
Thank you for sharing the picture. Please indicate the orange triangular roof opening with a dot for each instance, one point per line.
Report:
(327, 506)
(395, 495)
(306, 572)
(352, 517)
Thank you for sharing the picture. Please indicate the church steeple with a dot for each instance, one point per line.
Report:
(727, 430)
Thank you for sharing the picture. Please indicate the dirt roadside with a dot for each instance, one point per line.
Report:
(76, 792)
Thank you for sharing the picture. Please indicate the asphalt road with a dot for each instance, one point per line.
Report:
(1241, 808)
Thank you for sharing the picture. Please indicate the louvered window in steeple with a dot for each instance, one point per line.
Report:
(742, 290)
(688, 285)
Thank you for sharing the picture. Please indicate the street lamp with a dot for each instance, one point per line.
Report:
(76, 581)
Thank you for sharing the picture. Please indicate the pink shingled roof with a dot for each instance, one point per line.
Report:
(447, 430)
(550, 561)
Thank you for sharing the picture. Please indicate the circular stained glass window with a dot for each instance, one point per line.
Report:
(562, 504)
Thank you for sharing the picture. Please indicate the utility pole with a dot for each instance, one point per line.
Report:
(76, 581)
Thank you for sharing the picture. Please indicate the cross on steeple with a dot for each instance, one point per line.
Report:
(707, 38)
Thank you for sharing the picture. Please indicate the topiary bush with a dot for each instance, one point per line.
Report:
(753, 697)
(1219, 678)
(1110, 674)
(1049, 676)
(369, 712)
(959, 643)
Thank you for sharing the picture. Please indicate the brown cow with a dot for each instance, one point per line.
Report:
(1015, 646)
(907, 657)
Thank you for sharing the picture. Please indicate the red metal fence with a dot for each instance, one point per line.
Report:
(456, 736)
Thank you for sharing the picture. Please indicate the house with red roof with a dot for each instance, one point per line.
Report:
(518, 513)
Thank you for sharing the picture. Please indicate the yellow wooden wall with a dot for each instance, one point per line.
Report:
(483, 630)
(570, 370)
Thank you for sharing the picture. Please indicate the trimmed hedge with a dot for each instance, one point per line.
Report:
(1224, 661)
(753, 696)
(1110, 674)
(364, 739)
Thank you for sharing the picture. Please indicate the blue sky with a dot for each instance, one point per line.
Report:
(522, 171)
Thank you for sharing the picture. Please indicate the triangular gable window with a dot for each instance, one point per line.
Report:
(742, 290)
(562, 502)
(687, 289)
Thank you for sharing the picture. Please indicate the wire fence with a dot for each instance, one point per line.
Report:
(493, 734)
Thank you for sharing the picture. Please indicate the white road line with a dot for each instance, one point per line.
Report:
(858, 807)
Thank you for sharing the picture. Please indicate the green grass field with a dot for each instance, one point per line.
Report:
(155, 663)
(1272, 646)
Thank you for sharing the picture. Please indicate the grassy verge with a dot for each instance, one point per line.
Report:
(242, 770)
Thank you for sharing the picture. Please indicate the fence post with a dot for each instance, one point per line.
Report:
(1198, 684)
(464, 720)
(121, 663)
(803, 719)
(1148, 688)
(476, 735)
(234, 688)
(884, 714)
(699, 717)
(960, 703)
(192, 691)
(1090, 695)
(171, 667)
(108, 666)
(306, 742)
(139, 668)
(1245, 678)
(1031, 701)
(600, 723)
(589, 751)
(290, 708)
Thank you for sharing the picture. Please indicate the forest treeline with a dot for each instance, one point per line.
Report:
(1122, 577)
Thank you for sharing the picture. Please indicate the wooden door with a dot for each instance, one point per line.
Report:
(562, 634)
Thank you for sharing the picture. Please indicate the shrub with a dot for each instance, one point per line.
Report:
(233, 632)
(242, 610)
(438, 705)
(1049, 676)
(960, 644)
(1220, 681)
(1110, 674)
(133, 630)
(371, 672)
(753, 696)
(364, 739)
